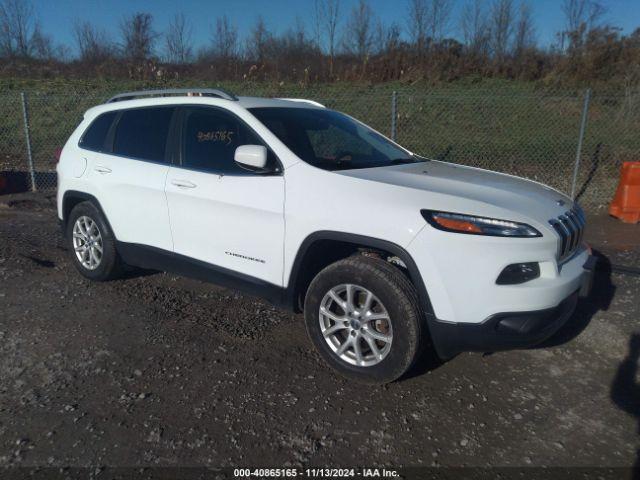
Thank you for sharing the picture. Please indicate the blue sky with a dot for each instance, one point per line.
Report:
(57, 16)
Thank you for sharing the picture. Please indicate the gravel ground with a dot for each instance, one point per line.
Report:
(157, 370)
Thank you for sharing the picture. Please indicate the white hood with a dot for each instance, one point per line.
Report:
(507, 192)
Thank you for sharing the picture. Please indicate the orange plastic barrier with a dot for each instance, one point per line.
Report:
(626, 202)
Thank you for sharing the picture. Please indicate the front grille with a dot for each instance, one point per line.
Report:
(570, 228)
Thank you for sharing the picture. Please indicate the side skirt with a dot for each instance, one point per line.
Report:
(152, 258)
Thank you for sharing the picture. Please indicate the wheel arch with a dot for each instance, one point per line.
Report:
(322, 248)
(71, 198)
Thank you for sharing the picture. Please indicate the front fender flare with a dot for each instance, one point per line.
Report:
(360, 241)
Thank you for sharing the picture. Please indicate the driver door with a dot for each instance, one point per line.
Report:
(220, 213)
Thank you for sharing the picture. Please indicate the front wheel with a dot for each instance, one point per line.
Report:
(363, 316)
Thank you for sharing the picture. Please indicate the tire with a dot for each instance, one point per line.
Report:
(100, 267)
(392, 292)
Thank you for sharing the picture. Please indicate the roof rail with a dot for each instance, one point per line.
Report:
(304, 100)
(186, 92)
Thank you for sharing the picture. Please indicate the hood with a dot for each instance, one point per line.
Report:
(506, 192)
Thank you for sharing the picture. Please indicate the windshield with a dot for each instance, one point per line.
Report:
(331, 140)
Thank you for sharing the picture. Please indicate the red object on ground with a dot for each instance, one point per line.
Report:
(3, 183)
(626, 201)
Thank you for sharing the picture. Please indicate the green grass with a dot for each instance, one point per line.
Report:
(515, 127)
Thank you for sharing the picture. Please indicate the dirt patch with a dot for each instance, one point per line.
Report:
(157, 370)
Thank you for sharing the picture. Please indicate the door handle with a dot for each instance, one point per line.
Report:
(102, 169)
(183, 183)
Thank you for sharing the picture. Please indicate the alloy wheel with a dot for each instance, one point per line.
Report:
(356, 325)
(87, 242)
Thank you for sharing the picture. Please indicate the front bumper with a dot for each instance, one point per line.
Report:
(503, 331)
(508, 331)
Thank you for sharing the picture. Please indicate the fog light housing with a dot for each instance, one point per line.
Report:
(518, 273)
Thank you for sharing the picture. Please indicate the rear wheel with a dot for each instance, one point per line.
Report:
(92, 244)
(363, 316)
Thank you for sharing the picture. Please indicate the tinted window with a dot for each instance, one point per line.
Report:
(142, 133)
(95, 136)
(211, 138)
(331, 140)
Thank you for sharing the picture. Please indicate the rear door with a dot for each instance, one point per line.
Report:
(130, 176)
(220, 213)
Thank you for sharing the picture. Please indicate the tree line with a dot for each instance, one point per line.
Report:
(496, 38)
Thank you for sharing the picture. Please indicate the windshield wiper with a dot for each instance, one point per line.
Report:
(400, 161)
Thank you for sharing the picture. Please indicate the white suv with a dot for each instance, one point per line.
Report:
(313, 210)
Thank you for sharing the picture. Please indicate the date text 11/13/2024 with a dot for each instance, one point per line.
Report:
(315, 473)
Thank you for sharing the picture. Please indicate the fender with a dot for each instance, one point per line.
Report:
(358, 241)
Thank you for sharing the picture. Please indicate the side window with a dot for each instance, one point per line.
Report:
(142, 133)
(210, 140)
(95, 136)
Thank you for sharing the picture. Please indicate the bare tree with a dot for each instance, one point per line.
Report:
(358, 35)
(438, 17)
(475, 27)
(93, 44)
(501, 27)
(225, 39)
(326, 12)
(17, 26)
(178, 40)
(138, 36)
(21, 34)
(41, 44)
(387, 38)
(579, 12)
(259, 37)
(317, 23)
(581, 16)
(428, 22)
(417, 24)
(525, 34)
(298, 33)
(294, 46)
(7, 48)
(574, 11)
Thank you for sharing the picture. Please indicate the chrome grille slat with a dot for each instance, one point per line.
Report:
(570, 228)
(561, 233)
(570, 232)
(580, 225)
(576, 229)
(583, 222)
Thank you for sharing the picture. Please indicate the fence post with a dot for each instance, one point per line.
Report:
(27, 136)
(394, 112)
(583, 125)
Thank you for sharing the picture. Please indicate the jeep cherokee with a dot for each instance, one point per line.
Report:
(384, 251)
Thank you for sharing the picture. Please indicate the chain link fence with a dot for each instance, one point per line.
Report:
(536, 135)
(13, 156)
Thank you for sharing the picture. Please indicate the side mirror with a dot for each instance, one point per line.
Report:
(251, 157)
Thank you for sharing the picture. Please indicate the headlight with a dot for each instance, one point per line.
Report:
(472, 225)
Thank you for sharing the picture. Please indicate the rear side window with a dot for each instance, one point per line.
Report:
(142, 133)
(94, 137)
